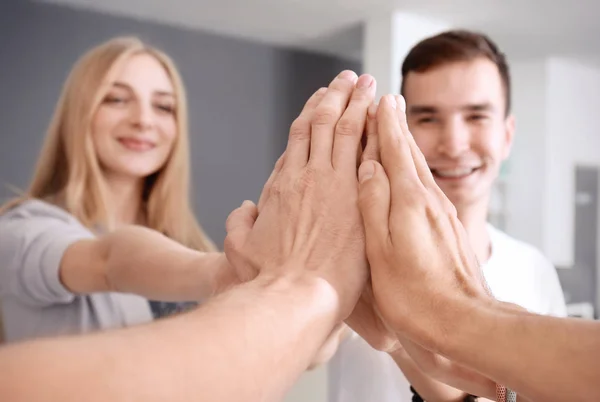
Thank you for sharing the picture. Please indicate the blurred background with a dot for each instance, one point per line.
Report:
(249, 66)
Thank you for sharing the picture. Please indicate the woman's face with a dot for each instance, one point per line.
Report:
(134, 128)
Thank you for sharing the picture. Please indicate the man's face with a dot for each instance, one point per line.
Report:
(456, 113)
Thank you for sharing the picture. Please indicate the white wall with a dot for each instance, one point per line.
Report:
(555, 104)
(526, 176)
(573, 138)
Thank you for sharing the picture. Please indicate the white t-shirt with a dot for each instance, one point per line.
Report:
(516, 272)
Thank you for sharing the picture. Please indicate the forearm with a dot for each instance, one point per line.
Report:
(144, 262)
(541, 358)
(248, 344)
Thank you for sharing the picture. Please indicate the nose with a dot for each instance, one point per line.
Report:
(142, 115)
(454, 137)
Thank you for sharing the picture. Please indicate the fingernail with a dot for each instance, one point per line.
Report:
(401, 102)
(247, 203)
(392, 101)
(364, 81)
(366, 171)
(348, 75)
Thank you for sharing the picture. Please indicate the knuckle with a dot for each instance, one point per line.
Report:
(276, 188)
(348, 127)
(300, 128)
(362, 95)
(325, 115)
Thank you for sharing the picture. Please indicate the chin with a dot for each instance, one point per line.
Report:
(137, 171)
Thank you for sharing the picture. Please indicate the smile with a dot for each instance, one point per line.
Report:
(136, 144)
(456, 173)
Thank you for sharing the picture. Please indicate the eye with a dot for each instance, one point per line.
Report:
(476, 117)
(165, 108)
(116, 99)
(427, 120)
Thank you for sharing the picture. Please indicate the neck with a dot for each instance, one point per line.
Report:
(126, 198)
(474, 219)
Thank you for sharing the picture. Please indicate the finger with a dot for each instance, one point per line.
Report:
(298, 146)
(326, 116)
(264, 195)
(374, 203)
(396, 156)
(242, 219)
(239, 224)
(351, 126)
(420, 162)
(371, 151)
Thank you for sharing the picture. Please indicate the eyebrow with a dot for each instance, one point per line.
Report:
(475, 107)
(119, 84)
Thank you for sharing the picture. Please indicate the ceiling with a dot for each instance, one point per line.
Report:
(521, 27)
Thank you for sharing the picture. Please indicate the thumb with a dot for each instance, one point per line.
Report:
(374, 203)
(238, 226)
(242, 218)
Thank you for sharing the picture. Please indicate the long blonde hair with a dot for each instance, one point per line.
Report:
(68, 165)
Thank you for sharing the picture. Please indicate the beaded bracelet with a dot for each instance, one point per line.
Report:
(504, 394)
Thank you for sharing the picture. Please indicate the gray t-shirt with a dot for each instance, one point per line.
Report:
(33, 237)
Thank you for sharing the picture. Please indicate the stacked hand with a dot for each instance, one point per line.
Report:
(385, 237)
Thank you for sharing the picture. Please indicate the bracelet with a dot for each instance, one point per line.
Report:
(504, 394)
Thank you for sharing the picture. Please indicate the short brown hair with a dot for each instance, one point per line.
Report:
(454, 46)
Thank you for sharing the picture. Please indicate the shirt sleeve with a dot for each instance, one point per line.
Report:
(32, 245)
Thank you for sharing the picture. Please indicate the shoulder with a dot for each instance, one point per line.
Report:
(35, 222)
(37, 215)
(35, 208)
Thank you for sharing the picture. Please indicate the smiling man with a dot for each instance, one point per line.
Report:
(457, 90)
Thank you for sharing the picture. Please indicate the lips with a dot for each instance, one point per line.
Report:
(137, 144)
(454, 173)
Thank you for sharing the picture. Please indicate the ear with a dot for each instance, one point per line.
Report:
(509, 129)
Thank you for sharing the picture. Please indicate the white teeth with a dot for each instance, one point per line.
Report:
(454, 172)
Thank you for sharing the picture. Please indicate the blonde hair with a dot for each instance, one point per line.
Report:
(68, 165)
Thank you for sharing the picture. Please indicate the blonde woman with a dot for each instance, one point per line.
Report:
(106, 223)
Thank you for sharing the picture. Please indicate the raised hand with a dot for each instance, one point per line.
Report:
(309, 222)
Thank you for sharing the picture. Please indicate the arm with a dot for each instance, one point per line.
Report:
(142, 261)
(263, 332)
(542, 358)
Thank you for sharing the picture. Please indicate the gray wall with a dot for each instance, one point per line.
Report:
(579, 282)
(242, 96)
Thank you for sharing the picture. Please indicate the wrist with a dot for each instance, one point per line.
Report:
(310, 290)
(223, 274)
(461, 316)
